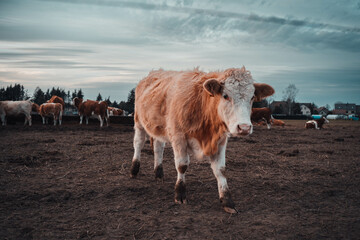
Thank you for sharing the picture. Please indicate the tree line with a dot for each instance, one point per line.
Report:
(17, 92)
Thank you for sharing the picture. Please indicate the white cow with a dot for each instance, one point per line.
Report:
(15, 108)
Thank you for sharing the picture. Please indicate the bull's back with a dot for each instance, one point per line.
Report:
(152, 98)
(17, 107)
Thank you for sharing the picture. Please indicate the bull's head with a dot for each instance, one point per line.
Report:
(237, 92)
(77, 101)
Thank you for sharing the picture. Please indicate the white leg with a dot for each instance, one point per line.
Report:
(81, 118)
(101, 120)
(43, 119)
(87, 120)
(60, 119)
(268, 124)
(182, 161)
(55, 119)
(158, 158)
(139, 140)
(218, 167)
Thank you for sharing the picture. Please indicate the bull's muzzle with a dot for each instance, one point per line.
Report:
(244, 129)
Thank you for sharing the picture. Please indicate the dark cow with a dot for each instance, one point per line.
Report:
(90, 108)
(261, 114)
(317, 124)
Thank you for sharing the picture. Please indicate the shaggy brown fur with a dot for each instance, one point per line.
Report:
(166, 107)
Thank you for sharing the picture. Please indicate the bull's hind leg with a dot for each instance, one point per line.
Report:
(101, 120)
(55, 119)
(27, 119)
(3, 119)
(218, 167)
(158, 158)
(139, 140)
(182, 161)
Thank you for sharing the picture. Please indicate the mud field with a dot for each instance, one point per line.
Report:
(73, 182)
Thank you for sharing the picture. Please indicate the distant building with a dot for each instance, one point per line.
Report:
(321, 111)
(305, 108)
(345, 108)
(357, 109)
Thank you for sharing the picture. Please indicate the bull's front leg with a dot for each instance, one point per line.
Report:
(218, 167)
(158, 148)
(139, 140)
(182, 161)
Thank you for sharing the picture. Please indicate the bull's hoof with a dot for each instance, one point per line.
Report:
(135, 167)
(180, 193)
(159, 172)
(227, 203)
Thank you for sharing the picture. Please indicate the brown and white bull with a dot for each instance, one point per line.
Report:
(91, 108)
(113, 111)
(15, 108)
(51, 109)
(317, 124)
(196, 112)
(56, 99)
(261, 114)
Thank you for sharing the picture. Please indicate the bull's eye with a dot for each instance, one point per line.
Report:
(226, 97)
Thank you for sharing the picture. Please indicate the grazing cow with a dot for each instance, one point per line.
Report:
(56, 99)
(90, 108)
(277, 122)
(51, 109)
(15, 108)
(317, 124)
(113, 111)
(194, 111)
(261, 114)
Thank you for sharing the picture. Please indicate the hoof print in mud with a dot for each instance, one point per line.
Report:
(227, 203)
(135, 167)
(159, 172)
(180, 193)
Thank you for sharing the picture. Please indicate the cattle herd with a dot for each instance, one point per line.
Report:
(194, 111)
(55, 108)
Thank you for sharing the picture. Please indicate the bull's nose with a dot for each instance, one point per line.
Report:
(244, 129)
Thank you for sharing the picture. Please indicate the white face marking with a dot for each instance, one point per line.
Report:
(235, 105)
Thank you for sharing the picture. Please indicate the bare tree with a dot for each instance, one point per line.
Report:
(289, 96)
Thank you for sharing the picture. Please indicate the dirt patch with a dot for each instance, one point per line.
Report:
(73, 182)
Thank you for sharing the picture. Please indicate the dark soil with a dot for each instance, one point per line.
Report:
(73, 181)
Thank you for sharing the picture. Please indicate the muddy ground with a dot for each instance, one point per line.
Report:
(73, 182)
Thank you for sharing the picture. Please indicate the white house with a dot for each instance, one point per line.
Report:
(305, 110)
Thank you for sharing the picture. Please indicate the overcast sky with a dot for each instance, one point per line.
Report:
(107, 46)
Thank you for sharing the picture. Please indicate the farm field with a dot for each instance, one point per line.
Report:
(72, 182)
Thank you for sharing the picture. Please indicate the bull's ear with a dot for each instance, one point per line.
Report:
(213, 87)
(262, 91)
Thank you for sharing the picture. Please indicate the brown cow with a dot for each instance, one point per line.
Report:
(90, 108)
(113, 111)
(277, 122)
(51, 109)
(194, 111)
(317, 124)
(261, 114)
(15, 108)
(56, 99)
